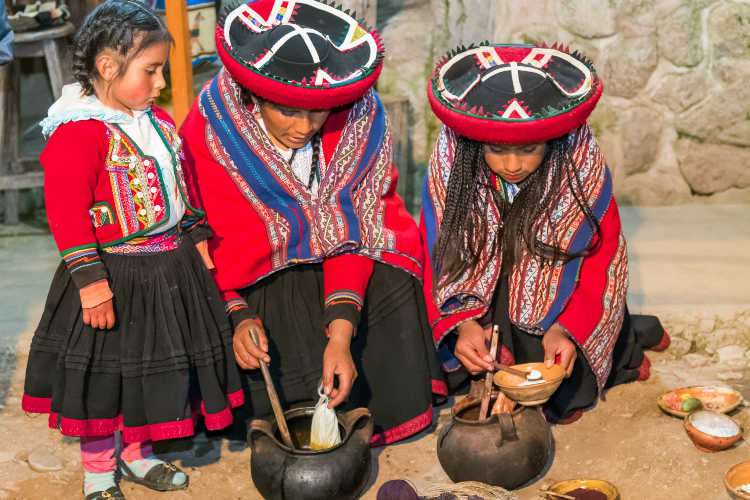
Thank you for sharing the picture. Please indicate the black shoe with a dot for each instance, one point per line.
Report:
(158, 478)
(112, 493)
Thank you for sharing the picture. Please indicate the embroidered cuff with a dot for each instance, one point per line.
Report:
(84, 264)
(344, 297)
(238, 311)
(345, 311)
(343, 304)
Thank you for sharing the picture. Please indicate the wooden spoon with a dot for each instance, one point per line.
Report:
(512, 371)
(556, 495)
(275, 404)
(488, 378)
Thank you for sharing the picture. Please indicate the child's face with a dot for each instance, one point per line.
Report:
(514, 162)
(291, 128)
(142, 81)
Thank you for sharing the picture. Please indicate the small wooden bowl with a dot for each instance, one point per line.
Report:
(534, 394)
(599, 485)
(735, 477)
(708, 442)
(715, 398)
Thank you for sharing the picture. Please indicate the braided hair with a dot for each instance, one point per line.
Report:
(125, 26)
(469, 196)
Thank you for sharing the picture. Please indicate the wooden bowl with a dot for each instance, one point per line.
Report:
(530, 395)
(709, 442)
(605, 487)
(714, 398)
(735, 477)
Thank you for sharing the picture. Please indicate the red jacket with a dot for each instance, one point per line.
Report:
(241, 243)
(97, 188)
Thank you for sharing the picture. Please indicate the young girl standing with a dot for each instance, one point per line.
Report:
(134, 337)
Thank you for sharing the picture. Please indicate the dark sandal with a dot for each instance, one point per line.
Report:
(112, 493)
(158, 478)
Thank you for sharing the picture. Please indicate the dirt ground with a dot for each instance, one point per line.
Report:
(625, 439)
(688, 264)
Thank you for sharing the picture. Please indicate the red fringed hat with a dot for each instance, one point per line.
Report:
(299, 53)
(513, 93)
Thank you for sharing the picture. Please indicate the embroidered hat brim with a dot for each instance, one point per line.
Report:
(504, 93)
(299, 53)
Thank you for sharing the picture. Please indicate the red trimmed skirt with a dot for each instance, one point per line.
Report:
(167, 362)
(398, 370)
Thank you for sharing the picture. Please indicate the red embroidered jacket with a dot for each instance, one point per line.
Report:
(100, 189)
(237, 248)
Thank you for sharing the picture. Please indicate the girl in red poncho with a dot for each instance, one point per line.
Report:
(522, 228)
(313, 248)
(133, 337)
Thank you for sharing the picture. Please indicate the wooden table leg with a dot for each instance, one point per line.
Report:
(12, 125)
(52, 56)
(3, 117)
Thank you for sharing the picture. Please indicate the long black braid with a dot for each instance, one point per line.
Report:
(463, 232)
(315, 166)
(118, 25)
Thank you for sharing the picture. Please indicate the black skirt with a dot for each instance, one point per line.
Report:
(167, 360)
(393, 349)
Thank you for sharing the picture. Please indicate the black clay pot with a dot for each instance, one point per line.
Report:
(338, 473)
(506, 450)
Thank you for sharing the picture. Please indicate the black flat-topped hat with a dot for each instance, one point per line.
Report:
(513, 93)
(300, 53)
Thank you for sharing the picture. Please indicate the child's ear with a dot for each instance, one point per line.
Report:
(107, 65)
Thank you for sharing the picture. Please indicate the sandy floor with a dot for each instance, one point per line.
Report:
(686, 263)
(626, 440)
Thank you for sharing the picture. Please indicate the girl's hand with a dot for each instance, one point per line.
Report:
(101, 317)
(557, 343)
(337, 361)
(96, 303)
(246, 352)
(471, 347)
(202, 247)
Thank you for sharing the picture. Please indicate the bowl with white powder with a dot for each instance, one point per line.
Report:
(540, 383)
(737, 481)
(711, 430)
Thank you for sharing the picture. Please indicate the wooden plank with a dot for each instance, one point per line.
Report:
(11, 183)
(180, 64)
(53, 56)
(11, 132)
(366, 10)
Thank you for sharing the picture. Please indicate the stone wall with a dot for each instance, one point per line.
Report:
(674, 120)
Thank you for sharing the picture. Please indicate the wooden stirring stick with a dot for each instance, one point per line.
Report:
(512, 371)
(488, 378)
(556, 495)
(275, 404)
